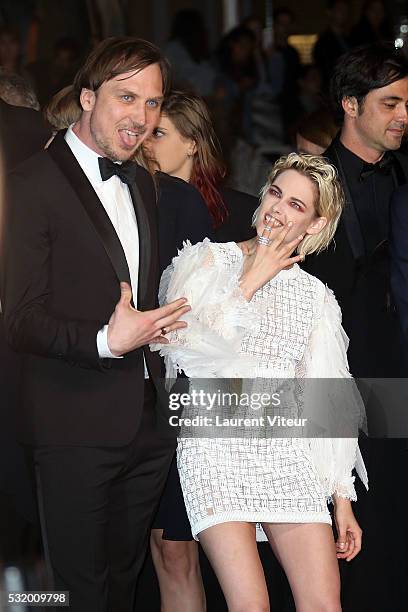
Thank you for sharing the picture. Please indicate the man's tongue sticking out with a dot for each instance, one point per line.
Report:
(128, 138)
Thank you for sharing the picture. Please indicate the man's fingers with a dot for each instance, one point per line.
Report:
(159, 340)
(125, 294)
(176, 325)
(170, 308)
(169, 321)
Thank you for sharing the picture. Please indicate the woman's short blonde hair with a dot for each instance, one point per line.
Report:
(329, 201)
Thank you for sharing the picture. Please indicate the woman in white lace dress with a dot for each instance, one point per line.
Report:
(256, 314)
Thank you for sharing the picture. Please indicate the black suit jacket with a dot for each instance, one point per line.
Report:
(338, 265)
(62, 264)
(399, 254)
(362, 292)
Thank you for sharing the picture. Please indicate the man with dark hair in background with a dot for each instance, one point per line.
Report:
(80, 239)
(370, 96)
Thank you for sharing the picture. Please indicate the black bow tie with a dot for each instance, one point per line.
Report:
(382, 167)
(126, 171)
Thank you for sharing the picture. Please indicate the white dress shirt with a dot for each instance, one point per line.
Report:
(115, 198)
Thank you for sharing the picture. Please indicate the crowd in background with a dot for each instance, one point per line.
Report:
(263, 100)
(258, 91)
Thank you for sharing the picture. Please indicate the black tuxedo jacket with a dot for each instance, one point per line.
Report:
(338, 265)
(360, 288)
(62, 264)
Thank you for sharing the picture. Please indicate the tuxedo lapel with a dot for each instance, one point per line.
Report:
(65, 160)
(349, 216)
(145, 241)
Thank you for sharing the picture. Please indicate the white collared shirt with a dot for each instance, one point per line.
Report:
(115, 198)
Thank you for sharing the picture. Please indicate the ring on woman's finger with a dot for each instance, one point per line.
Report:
(163, 331)
(267, 228)
(263, 240)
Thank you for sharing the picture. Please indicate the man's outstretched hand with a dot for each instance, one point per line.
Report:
(130, 328)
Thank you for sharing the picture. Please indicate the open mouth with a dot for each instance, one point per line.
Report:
(129, 137)
(271, 221)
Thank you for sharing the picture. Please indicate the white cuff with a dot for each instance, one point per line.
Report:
(102, 344)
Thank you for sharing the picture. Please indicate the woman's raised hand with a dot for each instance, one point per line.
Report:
(268, 259)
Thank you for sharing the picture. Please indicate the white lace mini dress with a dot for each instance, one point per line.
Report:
(290, 329)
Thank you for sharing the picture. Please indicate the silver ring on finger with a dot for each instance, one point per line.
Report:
(263, 240)
(267, 228)
(163, 331)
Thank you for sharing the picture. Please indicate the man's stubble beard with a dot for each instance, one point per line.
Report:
(107, 148)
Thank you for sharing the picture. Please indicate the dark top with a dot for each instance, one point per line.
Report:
(183, 215)
(241, 207)
(371, 190)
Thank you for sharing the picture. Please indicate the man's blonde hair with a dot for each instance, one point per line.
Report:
(329, 202)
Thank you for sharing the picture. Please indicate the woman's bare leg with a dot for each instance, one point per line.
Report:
(178, 571)
(232, 551)
(307, 553)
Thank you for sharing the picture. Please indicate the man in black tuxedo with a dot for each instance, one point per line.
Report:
(80, 238)
(370, 95)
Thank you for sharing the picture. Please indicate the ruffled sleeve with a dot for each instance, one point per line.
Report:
(219, 318)
(326, 358)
